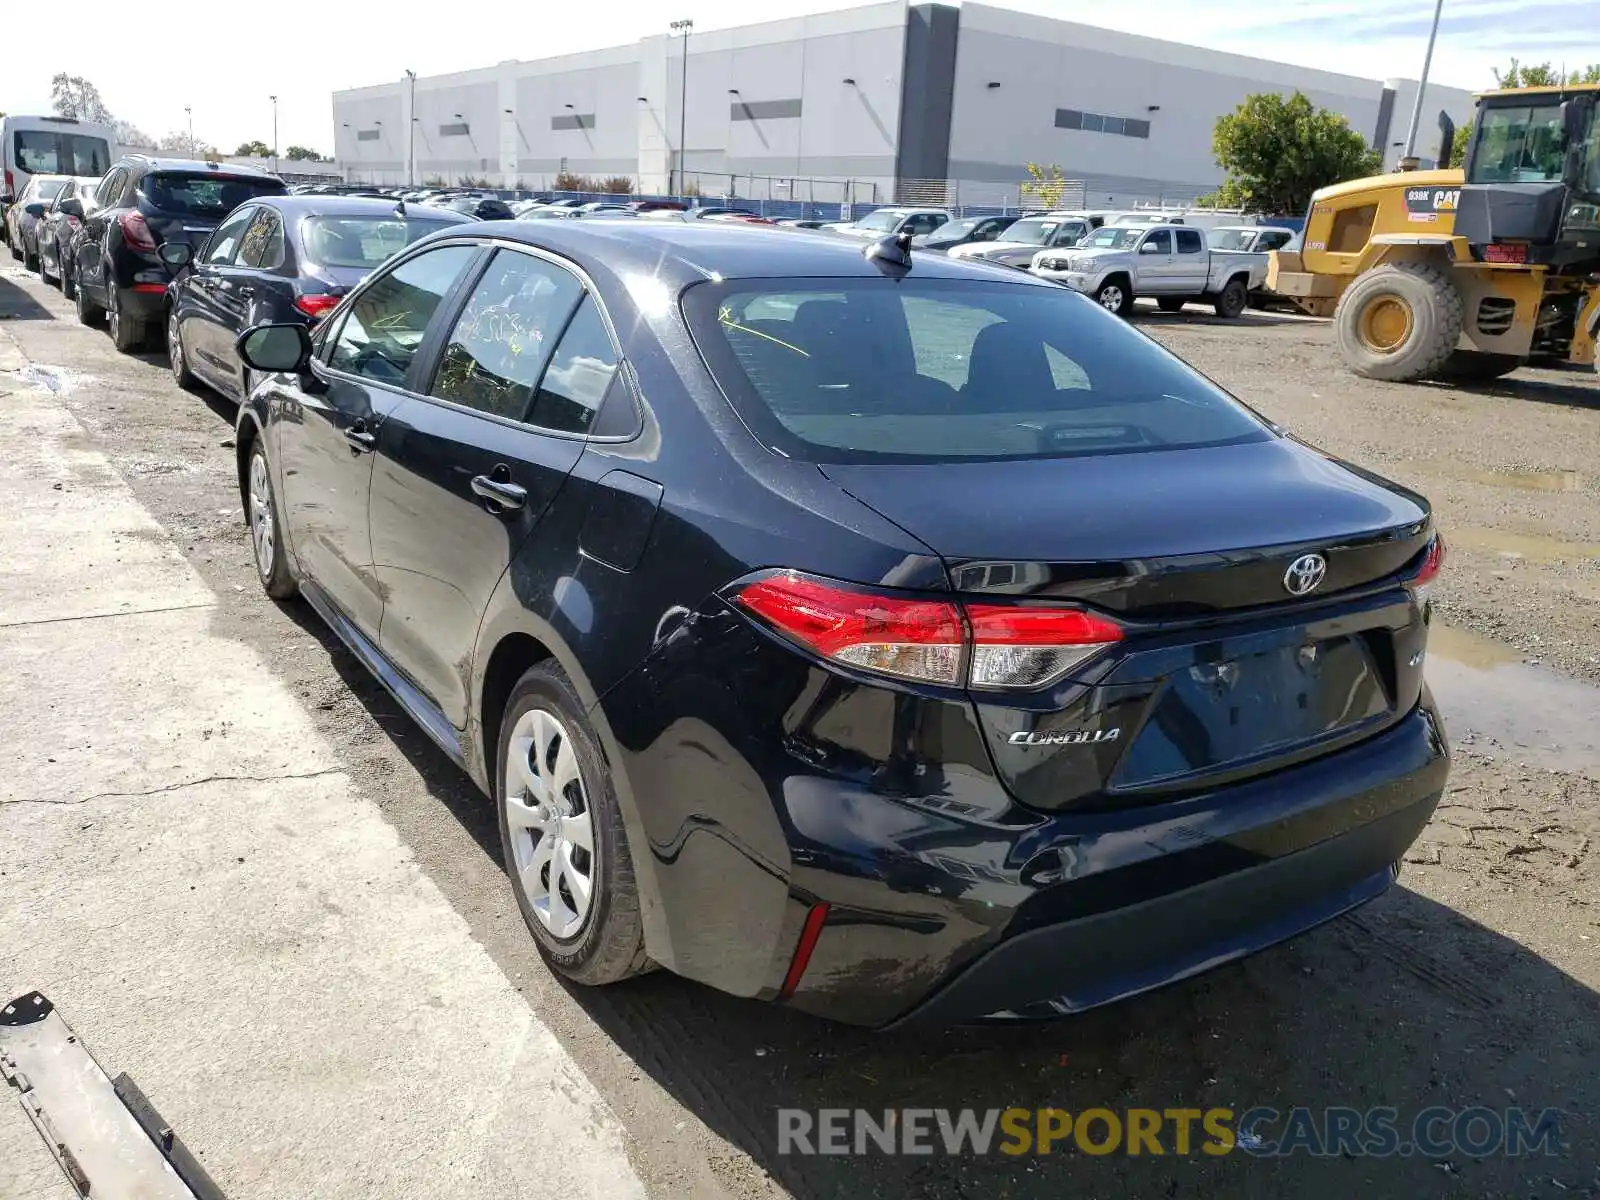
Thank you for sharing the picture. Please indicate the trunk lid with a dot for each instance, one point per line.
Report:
(1223, 672)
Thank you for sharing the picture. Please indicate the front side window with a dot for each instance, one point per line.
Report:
(1033, 231)
(262, 246)
(505, 335)
(866, 370)
(224, 243)
(1160, 239)
(386, 321)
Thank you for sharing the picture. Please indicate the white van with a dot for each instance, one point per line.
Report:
(52, 146)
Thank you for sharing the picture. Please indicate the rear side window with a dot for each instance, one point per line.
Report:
(385, 322)
(580, 371)
(197, 195)
(505, 335)
(224, 242)
(110, 190)
(864, 370)
(1189, 241)
(262, 246)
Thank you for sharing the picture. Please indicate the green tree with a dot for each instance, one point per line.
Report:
(1278, 151)
(302, 154)
(179, 142)
(253, 150)
(1045, 184)
(74, 96)
(129, 135)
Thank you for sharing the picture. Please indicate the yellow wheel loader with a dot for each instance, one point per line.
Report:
(1464, 274)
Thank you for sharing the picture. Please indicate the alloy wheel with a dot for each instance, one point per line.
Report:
(549, 818)
(262, 534)
(1111, 298)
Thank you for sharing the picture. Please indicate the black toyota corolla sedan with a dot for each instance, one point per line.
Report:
(895, 638)
(278, 259)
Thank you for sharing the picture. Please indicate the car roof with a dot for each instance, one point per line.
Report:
(684, 252)
(357, 206)
(200, 167)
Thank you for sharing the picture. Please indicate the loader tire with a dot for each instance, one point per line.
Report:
(1400, 322)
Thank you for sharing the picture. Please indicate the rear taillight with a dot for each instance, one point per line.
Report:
(1016, 647)
(914, 639)
(316, 304)
(136, 233)
(1432, 563)
(11, 185)
(988, 646)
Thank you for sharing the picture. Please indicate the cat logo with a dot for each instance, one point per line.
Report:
(1432, 200)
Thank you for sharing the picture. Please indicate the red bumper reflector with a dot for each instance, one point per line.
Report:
(809, 934)
(155, 288)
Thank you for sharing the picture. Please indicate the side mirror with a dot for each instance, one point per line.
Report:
(1149, 248)
(275, 348)
(176, 255)
(34, 208)
(72, 206)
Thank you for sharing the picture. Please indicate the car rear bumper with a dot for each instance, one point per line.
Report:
(1113, 904)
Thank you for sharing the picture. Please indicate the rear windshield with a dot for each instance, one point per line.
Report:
(362, 242)
(48, 189)
(189, 195)
(865, 370)
(47, 152)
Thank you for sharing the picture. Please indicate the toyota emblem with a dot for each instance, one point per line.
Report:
(1304, 574)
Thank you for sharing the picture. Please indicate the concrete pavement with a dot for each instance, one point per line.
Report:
(187, 871)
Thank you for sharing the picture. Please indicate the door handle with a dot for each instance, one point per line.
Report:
(501, 492)
(361, 438)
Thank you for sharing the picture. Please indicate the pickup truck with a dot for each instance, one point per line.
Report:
(1023, 241)
(1170, 263)
(882, 222)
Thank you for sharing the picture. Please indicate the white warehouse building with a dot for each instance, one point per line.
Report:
(927, 102)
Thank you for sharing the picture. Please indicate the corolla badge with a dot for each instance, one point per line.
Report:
(1304, 574)
(1063, 737)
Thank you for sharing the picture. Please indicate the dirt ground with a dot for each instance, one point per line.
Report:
(1473, 983)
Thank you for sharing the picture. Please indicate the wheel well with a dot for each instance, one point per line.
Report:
(515, 653)
(246, 440)
(1121, 277)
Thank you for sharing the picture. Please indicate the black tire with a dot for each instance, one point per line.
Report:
(1171, 304)
(176, 359)
(1433, 315)
(69, 289)
(127, 335)
(1478, 366)
(1116, 295)
(89, 313)
(12, 246)
(1232, 300)
(277, 580)
(608, 945)
(30, 258)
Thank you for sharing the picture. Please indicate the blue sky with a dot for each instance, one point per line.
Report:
(302, 53)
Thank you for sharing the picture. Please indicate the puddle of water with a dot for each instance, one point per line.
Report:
(1510, 708)
(1530, 546)
(1531, 481)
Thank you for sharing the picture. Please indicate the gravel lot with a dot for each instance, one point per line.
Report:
(1473, 983)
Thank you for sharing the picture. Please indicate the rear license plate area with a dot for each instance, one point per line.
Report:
(1216, 714)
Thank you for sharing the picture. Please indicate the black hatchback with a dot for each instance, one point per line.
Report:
(143, 203)
(896, 638)
(279, 259)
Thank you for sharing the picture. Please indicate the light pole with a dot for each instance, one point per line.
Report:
(411, 133)
(1422, 84)
(274, 100)
(685, 27)
(188, 111)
